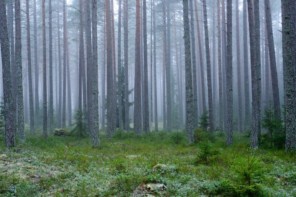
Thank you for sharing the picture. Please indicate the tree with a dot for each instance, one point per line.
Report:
(229, 77)
(126, 67)
(145, 72)
(44, 72)
(19, 71)
(209, 72)
(50, 106)
(255, 71)
(190, 119)
(154, 69)
(238, 63)
(31, 95)
(289, 58)
(246, 64)
(36, 63)
(271, 52)
(9, 105)
(138, 70)
(111, 100)
(94, 94)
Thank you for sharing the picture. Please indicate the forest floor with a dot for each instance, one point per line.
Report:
(158, 164)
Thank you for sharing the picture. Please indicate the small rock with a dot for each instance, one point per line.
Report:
(150, 190)
(61, 132)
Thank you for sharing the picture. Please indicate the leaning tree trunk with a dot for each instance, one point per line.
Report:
(289, 51)
(273, 69)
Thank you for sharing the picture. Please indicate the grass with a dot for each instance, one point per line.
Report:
(69, 166)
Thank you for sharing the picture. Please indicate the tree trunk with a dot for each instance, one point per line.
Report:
(50, 106)
(126, 67)
(239, 73)
(111, 101)
(154, 69)
(19, 71)
(44, 72)
(31, 95)
(190, 119)
(255, 82)
(9, 106)
(229, 77)
(273, 69)
(209, 72)
(36, 64)
(94, 113)
(246, 67)
(289, 57)
(146, 126)
(138, 71)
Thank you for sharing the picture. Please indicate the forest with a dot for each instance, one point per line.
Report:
(147, 98)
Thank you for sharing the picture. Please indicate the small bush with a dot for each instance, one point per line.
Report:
(207, 153)
(80, 125)
(204, 121)
(275, 137)
(201, 135)
(177, 137)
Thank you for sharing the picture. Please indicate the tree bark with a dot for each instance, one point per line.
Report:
(229, 77)
(289, 58)
(44, 72)
(209, 72)
(273, 68)
(9, 106)
(138, 70)
(188, 73)
(30, 80)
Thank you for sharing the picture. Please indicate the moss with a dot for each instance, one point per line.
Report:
(70, 167)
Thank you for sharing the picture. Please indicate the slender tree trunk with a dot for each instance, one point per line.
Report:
(50, 106)
(239, 73)
(60, 112)
(209, 72)
(31, 95)
(146, 126)
(229, 77)
(111, 101)
(19, 71)
(193, 58)
(188, 73)
(120, 82)
(9, 105)
(44, 72)
(94, 94)
(246, 66)
(36, 63)
(126, 67)
(138, 77)
(64, 66)
(273, 68)
(201, 57)
(154, 69)
(220, 67)
(289, 57)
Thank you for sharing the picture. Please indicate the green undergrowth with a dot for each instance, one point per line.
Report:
(69, 166)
